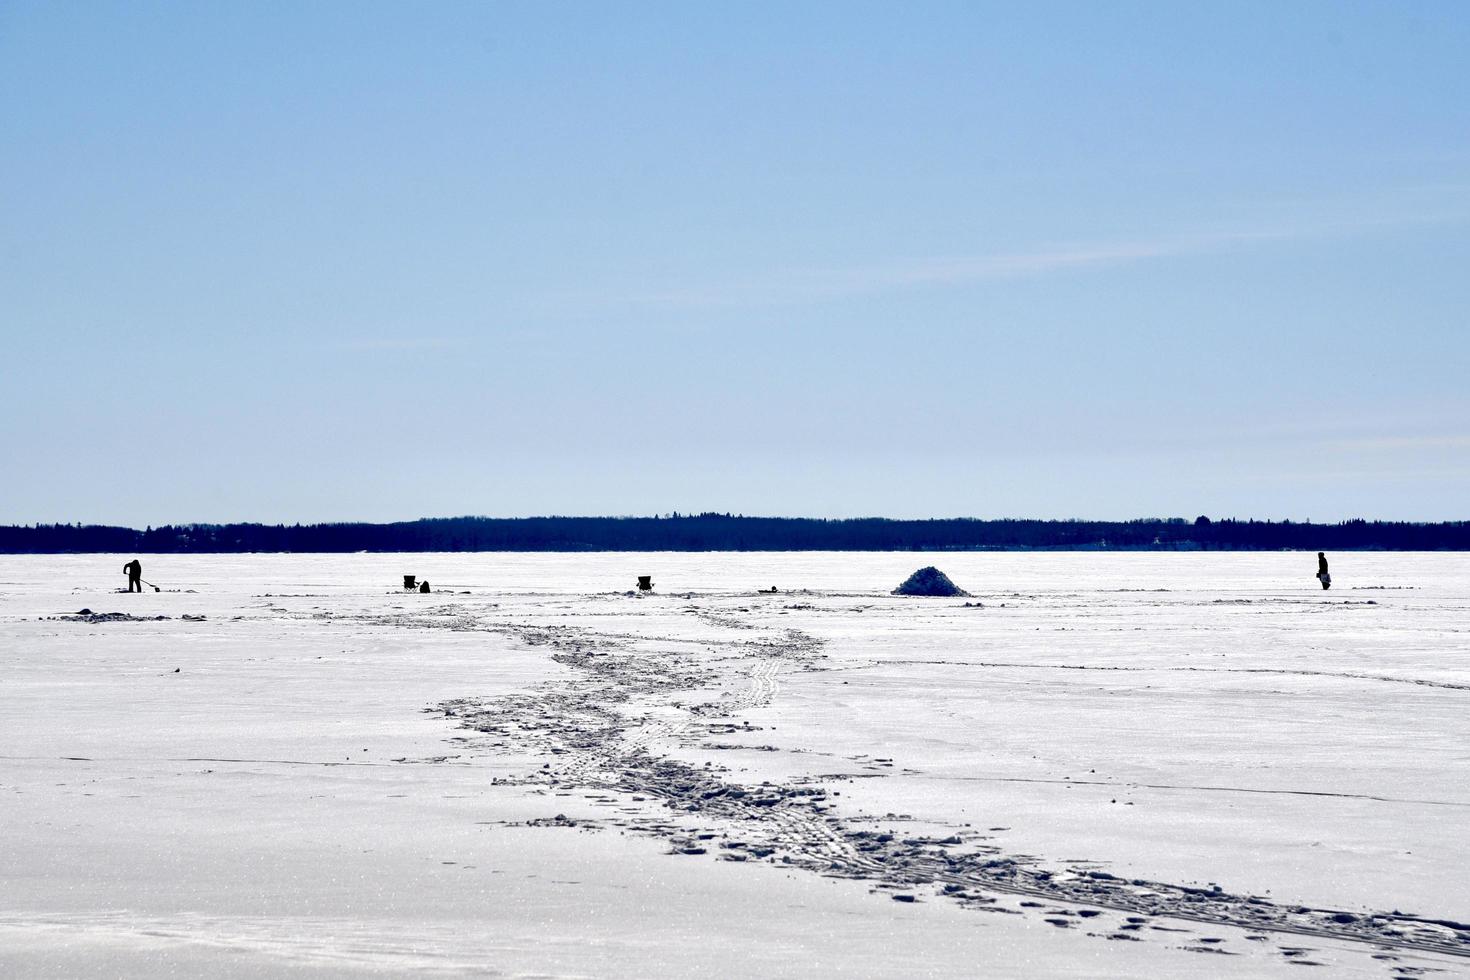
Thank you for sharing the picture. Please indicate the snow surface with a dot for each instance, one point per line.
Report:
(532, 771)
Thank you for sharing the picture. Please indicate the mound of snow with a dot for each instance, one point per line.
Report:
(929, 581)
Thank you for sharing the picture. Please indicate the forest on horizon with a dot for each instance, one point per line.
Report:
(729, 532)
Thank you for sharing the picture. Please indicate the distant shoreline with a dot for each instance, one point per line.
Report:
(734, 533)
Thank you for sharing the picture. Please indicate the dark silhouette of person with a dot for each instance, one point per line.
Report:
(1322, 574)
(134, 570)
(424, 586)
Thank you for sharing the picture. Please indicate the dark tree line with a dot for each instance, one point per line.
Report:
(727, 532)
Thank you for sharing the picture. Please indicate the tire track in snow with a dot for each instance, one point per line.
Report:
(1200, 789)
(1005, 665)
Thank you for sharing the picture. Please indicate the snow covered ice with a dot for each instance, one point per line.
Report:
(1112, 765)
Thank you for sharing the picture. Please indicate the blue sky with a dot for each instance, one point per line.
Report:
(375, 261)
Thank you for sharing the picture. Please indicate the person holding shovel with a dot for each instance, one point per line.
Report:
(134, 571)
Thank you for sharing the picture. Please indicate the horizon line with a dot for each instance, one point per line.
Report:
(679, 515)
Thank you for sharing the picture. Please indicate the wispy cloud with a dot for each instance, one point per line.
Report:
(815, 284)
(1056, 258)
(803, 285)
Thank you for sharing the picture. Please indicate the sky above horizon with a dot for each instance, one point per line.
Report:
(375, 261)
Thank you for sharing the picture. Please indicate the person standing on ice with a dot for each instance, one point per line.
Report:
(134, 570)
(1322, 575)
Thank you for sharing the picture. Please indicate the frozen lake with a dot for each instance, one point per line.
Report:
(1113, 765)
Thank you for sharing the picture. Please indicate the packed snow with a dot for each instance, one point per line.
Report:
(1108, 765)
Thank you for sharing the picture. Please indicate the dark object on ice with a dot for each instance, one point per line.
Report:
(929, 581)
(424, 586)
(645, 583)
(112, 617)
(410, 582)
(1322, 574)
(134, 571)
(84, 611)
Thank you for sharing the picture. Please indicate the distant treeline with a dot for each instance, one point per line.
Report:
(728, 532)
